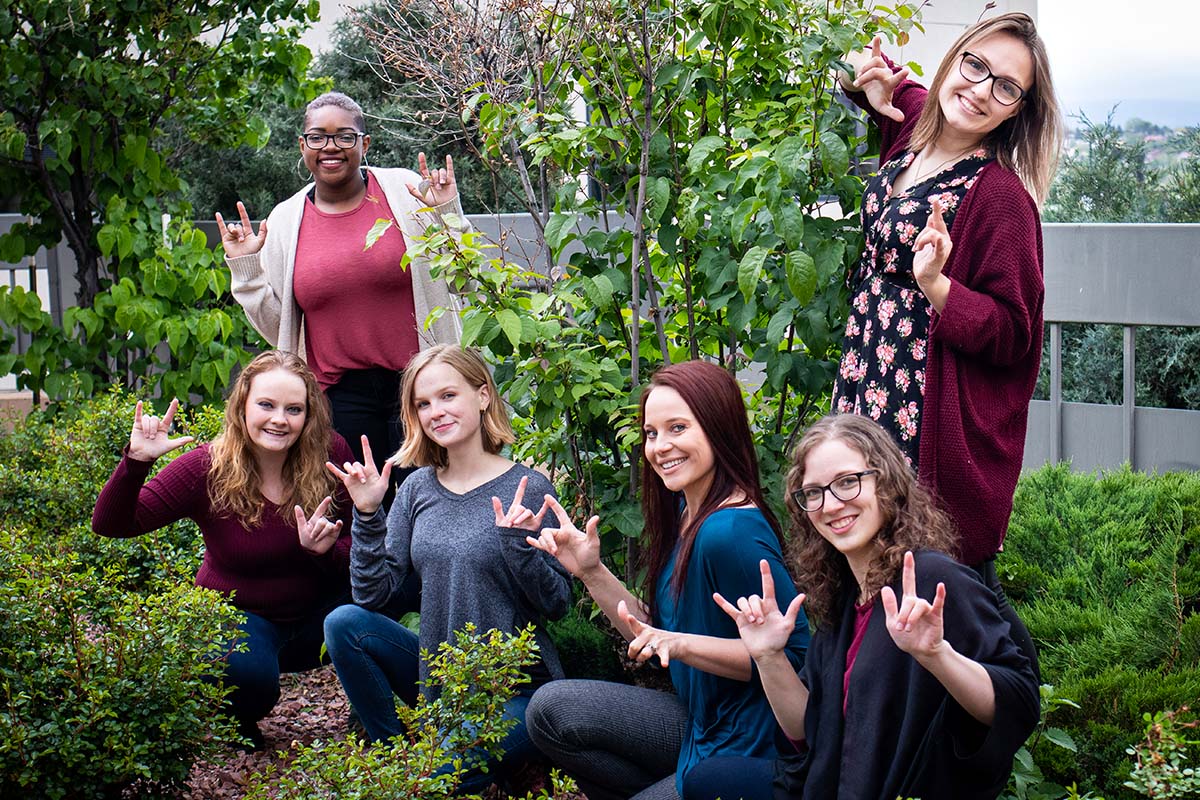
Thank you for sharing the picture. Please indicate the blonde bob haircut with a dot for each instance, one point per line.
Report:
(234, 480)
(1029, 142)
(418, 449)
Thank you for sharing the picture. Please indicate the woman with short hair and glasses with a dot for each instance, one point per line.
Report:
(944, 338)
(314, 271)
(913, 685)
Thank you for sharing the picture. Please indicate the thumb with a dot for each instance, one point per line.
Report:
(793, 609)
(593, 527)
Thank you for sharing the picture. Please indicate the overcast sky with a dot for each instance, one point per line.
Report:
(1135, 52)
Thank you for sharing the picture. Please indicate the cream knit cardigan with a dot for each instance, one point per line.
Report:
(262, 282)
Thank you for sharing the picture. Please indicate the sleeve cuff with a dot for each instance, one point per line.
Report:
(244, 268)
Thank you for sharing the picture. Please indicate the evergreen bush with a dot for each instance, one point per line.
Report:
(1105, 571)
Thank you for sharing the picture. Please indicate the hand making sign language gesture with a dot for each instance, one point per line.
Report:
(916, 624)
(764, 629)
(239, 238)
(875, 78)
(578, 551)
(517, 515)
(366, 484)
(151, 436)
(931, 249)
(437, 186)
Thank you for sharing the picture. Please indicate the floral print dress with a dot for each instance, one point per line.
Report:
(882, 371)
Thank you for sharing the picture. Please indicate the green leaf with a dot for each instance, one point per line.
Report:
(790, 155)
(1061, 738)
(376, 233)
(743, 215)
(789, 223)
(801, 276)
(777, 327)
(599, 291)
(701, 151)
(658, 192)
(510, 323)
(106, 238)
(750, 270)
(558, 227)
(472, 326)
(124, 242)
(835, 157)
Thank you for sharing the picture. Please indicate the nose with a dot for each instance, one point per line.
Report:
(832, 501)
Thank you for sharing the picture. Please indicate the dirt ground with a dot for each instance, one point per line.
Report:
(311, 707)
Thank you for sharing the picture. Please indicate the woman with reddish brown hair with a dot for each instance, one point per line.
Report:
(708, 525)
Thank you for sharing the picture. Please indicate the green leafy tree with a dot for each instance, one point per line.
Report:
(87, 90)
(687, 167)
(1107, 181)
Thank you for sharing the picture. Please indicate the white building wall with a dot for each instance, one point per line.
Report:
(944, 21)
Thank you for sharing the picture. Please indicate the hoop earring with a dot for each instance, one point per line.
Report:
(365, 163)
(301, 169)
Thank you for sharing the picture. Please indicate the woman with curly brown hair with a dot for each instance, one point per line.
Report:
(249, 492)
(913, 686)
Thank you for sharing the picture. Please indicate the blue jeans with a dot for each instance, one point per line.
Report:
(377, 659)
(730, 778)
(272, 648)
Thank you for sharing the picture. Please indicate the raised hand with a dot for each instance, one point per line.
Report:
(764, 629)
(151, 436)
(517, 515)
(932, 247)
(916, 625)
(647, 641)
(578, 551)
(876, 79)
(366, 485)
(239, 238)
(437, 185)
(317, 534)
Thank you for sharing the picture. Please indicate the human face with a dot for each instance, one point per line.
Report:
(851, 526)
(330, 164)
(970, 110)
(676, 447)
(448, 408)
(276, 409)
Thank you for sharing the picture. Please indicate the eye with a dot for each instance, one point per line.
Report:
(678, 427)
(846, 482)
(1008, 90)
(346, 139)
(422, 404)
(264, 404)
(651, 433)
(295, 409)
(449, 396)
(812, 494)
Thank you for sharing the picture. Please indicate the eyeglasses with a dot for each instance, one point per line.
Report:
(1006, 91)
(844, 487)
(343, 139)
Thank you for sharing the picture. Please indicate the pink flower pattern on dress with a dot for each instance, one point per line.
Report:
(882, 370)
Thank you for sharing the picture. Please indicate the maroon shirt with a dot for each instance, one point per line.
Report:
(985, 347)
(357, 302)
(272, 575)
(862, 617)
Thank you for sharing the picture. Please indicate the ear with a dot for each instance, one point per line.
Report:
(366, 143)
(485, 397)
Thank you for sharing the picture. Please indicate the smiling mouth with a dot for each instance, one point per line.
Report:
(969, 106)
(842, 524)
(668, 465)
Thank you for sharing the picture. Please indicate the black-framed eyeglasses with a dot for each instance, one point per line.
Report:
(843, 487)
(343, 139)
(1006, 91)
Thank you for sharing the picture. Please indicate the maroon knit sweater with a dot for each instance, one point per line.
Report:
(272, 575)
(985, 347)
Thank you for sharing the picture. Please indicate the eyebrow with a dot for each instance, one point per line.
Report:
(315, 129)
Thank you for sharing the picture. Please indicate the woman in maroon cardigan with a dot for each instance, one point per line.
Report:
(943, 343)
(248, 492)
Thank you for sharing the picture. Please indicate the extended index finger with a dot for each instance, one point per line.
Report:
(241, 207)
(563, 520)
(910, 575)
(768, 580)
(936, 221)
(170, 415)
(875, 47)
(368, 457)
(519, 496)
(450, 166)
(422, 166)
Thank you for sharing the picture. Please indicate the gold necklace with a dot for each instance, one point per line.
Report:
(920, 176)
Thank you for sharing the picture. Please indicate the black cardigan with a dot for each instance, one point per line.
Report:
(902, 734)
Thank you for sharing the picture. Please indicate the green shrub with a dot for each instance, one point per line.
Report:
(100, 687)
(1105, 571)
(477, 675)
(1168, 757)
(587, 647)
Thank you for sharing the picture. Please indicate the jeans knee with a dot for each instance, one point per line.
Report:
(342, 627)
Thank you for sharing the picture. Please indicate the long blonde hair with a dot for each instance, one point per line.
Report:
(421, 451)
(234, 480)
(911, 521)
(1029, 142)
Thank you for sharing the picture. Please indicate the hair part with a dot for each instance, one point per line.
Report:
(234, 478)
(421, 451)
(1028, 143)
(715, 400)
(911, 519)
(338, 100)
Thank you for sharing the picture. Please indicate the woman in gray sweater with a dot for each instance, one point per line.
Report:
(449, 527)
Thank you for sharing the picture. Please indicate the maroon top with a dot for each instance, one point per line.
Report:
(272, 574)
(357, 302)
(985, 347)
(862, 616)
